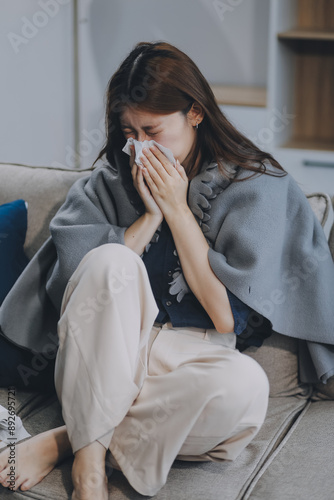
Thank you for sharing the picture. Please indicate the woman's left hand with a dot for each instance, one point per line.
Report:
(168, 184)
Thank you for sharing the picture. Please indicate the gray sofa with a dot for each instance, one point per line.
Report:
(292, 457)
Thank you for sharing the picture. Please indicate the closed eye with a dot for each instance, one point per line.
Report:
(127, 132)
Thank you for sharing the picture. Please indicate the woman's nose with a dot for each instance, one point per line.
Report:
(142, 136)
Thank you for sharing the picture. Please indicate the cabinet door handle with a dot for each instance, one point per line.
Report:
(311, 163)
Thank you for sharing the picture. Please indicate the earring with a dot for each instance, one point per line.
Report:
(196, 125)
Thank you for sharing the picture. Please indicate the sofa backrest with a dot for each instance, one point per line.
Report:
(44, 189)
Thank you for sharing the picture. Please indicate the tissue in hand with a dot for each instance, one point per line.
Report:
(146, 144)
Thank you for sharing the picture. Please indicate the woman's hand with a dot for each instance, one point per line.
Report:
(140, 233)
(167, 184)
(138, 181)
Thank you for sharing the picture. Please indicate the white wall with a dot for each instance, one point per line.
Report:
(36, 85)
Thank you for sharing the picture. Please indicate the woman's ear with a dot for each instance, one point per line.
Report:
(196, 114)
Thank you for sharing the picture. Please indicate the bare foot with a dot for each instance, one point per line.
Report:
(25, 464)
(88, 473)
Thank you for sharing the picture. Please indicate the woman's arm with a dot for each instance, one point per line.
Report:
(168, 186)
(140, 233)
(192, 249)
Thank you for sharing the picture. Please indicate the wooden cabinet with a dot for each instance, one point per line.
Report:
(297, 122)
(311, 44)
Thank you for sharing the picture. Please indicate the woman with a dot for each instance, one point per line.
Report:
(155, 271)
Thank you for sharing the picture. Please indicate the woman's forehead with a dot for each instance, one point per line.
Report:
(146, 118)
(138, 114)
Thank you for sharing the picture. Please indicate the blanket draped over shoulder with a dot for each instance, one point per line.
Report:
(266, 246)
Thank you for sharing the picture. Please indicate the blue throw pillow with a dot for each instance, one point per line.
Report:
(13, 228)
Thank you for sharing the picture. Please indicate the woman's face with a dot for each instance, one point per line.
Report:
(174, 131)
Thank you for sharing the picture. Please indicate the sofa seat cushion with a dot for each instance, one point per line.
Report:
(44, 189)
(25, 401)
(302, 467)
(186, 479)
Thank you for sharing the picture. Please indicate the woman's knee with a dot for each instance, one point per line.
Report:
(240, 389)
(252, 377)
(250, 390)
(113, 264)
(111, 275)
(111, 254)
(103, 273)
(255, 390)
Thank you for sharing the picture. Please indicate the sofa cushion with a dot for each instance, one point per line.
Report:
(13, 228)
(278, 356)
(301, 467)
(44, 189)
(324, 391)
(321, 206)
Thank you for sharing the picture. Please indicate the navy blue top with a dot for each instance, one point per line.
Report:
(161, 262)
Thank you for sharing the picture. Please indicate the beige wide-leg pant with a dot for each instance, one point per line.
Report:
(150, 393)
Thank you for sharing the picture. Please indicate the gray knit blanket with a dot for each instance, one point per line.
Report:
(266, 246)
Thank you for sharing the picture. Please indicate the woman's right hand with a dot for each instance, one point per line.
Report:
(140, 233)
(142, 189)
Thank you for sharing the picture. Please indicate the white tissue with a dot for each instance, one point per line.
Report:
(146, 144)
(10, 436)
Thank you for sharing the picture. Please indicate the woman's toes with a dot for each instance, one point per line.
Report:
(26, 485)
(14, 484)
(3, 461)
(3, 477)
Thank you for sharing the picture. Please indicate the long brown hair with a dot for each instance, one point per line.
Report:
(161, 79)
